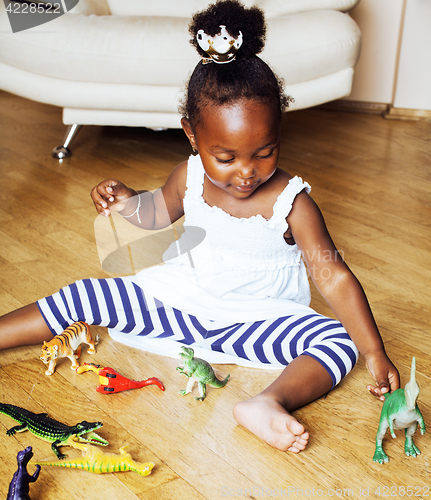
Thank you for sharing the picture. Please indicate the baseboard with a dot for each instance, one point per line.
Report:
(375, 108)
(407, 114)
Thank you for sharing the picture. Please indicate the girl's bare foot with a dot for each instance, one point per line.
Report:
(268, 420)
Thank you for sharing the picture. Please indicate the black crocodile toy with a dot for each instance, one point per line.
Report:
(48, 429)
(20, 485)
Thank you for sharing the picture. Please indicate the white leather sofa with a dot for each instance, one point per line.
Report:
(125, 62)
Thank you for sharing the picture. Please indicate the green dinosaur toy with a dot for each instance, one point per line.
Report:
(400, 411)
(48, 429)
(200, 371)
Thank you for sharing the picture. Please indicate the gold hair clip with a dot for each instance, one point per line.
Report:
(221, 48)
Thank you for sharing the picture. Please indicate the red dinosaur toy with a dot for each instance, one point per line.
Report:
(111, 381)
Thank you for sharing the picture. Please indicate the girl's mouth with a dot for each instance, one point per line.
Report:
(243, 188)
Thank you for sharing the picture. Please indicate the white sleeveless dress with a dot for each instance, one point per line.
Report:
(242, 271)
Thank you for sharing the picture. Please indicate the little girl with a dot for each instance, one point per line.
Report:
(242, 293)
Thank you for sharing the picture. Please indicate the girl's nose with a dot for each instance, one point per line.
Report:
(246, 172)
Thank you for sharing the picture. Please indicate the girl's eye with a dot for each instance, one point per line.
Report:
(265, 156)
(224, 161)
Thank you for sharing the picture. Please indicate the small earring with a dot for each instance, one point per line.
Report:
(194, 150)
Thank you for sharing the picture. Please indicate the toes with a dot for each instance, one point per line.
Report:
(271, 423)
(295, 448)
(292, 449)
(287, 437)
(303, 439)
(298, 445)
(295, 427)
(286, 422)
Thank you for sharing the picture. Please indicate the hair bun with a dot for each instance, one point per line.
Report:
(236, 18)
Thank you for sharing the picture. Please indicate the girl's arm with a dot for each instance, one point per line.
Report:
(143, 208)
(341, 290)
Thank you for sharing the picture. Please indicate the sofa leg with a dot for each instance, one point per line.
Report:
(63, 151)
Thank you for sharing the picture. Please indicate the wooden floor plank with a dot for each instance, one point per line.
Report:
(372, 181)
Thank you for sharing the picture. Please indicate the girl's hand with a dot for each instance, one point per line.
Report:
(384, 373)
(111, 195)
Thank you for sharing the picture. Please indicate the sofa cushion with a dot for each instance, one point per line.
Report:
(186, 8)
(156, 51)
(329, 41)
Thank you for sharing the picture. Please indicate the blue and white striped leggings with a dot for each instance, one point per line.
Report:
(121, 305)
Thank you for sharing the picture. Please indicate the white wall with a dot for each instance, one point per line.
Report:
(380, 22)
(395, 63)
(413, 88)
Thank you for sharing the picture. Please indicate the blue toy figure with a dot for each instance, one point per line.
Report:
(20, 485)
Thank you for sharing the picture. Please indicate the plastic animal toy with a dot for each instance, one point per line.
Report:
(111, 381)
(67, 345)
(19, 487)
(96, 461)
(48, 429)
(200, 371)
(400, 411)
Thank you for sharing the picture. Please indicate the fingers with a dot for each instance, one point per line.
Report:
(394, 379)
(105, 194)
(379, 390)
(388, 383)
(101, 196)
(384, 373)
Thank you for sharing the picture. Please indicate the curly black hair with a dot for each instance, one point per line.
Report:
(236, 18)
(247, 77)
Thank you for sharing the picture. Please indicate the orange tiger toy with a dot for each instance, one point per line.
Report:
(67, 345)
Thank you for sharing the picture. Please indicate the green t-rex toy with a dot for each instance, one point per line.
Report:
(400, 411)
(200, 371)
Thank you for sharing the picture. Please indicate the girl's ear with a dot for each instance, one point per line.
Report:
(185, 123)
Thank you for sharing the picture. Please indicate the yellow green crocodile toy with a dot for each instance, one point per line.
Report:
(96, 461)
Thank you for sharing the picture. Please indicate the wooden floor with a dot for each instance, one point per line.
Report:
(372, 180)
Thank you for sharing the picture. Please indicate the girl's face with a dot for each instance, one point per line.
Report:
(239, 145)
